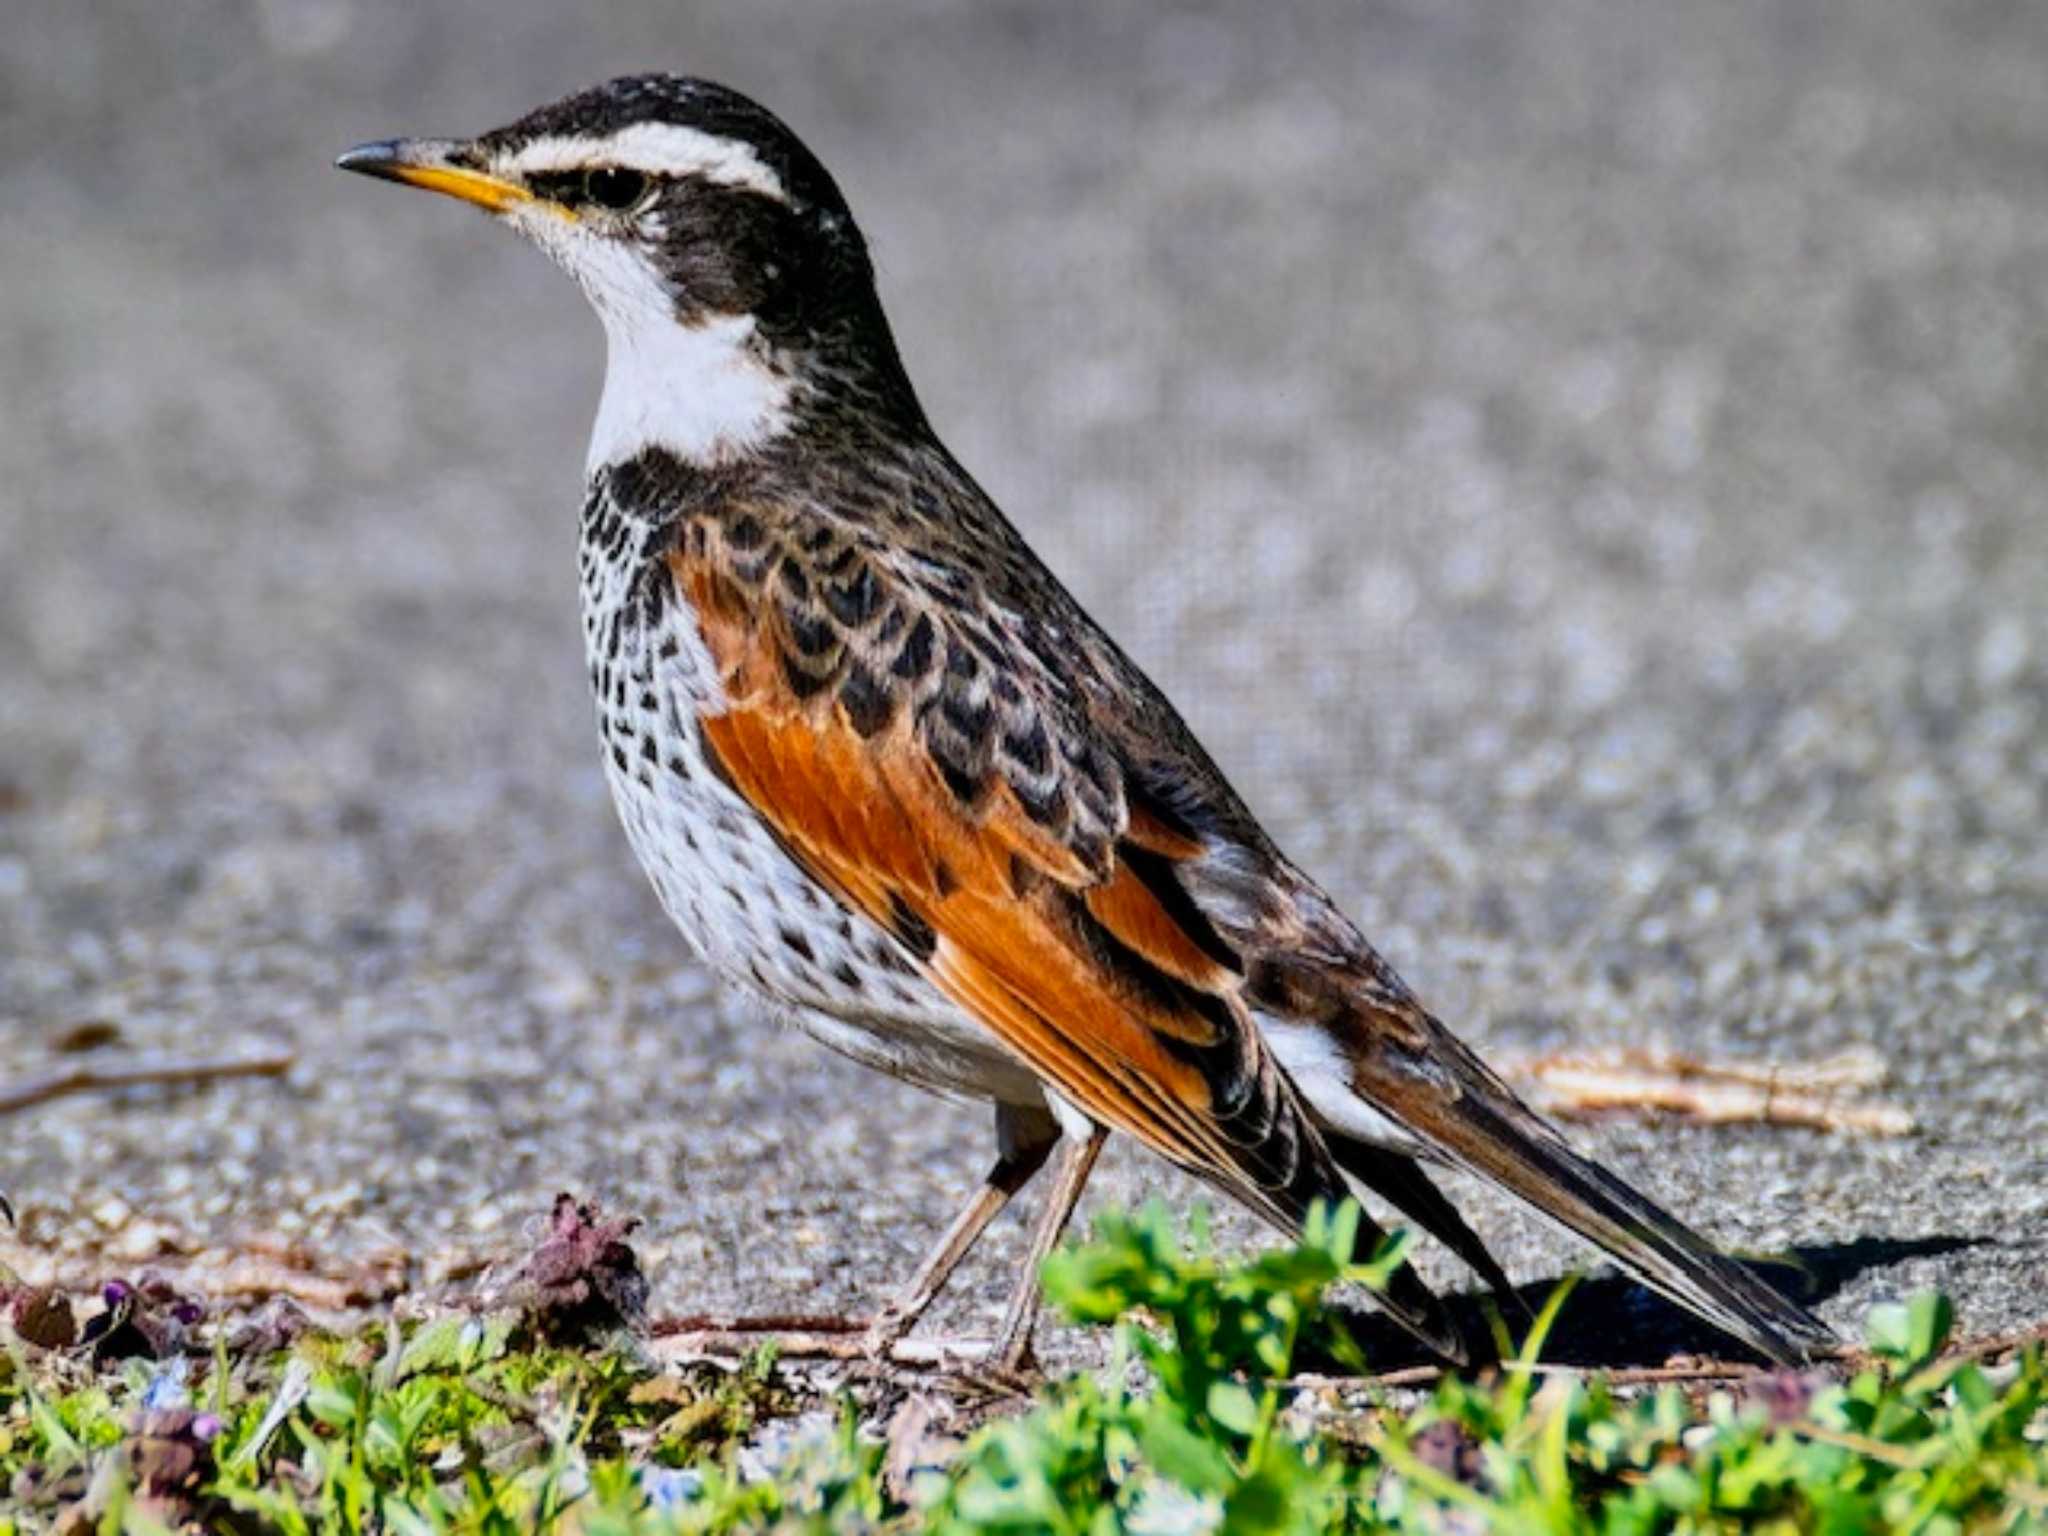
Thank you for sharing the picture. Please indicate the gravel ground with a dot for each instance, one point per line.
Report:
(1580, 467)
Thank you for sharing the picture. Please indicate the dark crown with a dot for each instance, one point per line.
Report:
(683, 102)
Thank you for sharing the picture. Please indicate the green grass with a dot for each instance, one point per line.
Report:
(474, 1425)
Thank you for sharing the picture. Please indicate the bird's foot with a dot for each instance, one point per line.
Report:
(1001, 1378)
(979, 1364)
(886, 1349)
(885, 1330)
(878, 1349)
(969, 1366)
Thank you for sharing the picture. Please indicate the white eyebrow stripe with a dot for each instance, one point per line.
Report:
(665, 149)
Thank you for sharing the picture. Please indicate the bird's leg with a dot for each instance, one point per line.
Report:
(1077, 1161)
(1025, 1137)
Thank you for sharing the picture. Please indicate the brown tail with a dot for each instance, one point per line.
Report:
(1412, 1069)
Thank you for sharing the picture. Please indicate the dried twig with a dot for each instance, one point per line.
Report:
(1629, 1376)
(1846, 1360)
(834, 1343)
(962, 1362)
(1407, 1376)
(1646, 1082)
(243, 1273)
(756, 1323)
(255, 1278)
(2001, 1344)
(86, 1077)
(960, 1357)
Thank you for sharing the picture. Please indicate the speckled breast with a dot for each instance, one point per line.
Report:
(757, 917)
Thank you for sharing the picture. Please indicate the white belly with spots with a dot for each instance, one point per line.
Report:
(756, 917)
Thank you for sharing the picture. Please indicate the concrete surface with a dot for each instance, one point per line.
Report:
(1581, 467)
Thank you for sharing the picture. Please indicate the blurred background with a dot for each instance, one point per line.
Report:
(1580, 467)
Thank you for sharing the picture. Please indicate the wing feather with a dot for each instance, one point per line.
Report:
(930, 755)
(1062, 950)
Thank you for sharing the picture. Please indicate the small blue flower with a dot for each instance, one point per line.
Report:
(166, 1389)
(667, 1487)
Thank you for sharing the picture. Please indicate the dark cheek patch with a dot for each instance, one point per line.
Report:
(709, 247)
(733, 251)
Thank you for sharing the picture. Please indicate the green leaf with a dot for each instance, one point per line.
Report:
(1177, 1452)
(439, 1346)
(1888, 1330)
(332, 1404)
(1232, 1405)
(1929, 1318)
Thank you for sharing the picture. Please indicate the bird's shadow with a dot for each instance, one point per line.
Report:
(1613, 1322)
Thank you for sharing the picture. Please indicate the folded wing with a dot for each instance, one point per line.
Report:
(931, 770)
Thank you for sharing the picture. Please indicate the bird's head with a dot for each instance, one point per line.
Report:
(731, 279)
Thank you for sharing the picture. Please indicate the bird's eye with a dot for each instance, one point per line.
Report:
(609, 186)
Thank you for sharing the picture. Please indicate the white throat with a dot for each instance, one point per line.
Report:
(703, 391)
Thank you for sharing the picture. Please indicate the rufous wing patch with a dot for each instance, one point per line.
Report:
(1069, 958)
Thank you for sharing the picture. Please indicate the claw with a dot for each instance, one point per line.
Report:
(885, 1330)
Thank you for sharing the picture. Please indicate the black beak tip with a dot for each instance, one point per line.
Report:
(378, 159)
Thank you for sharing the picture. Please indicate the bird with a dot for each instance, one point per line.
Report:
(885, 773)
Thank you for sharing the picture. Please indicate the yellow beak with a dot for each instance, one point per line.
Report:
(429, 163)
